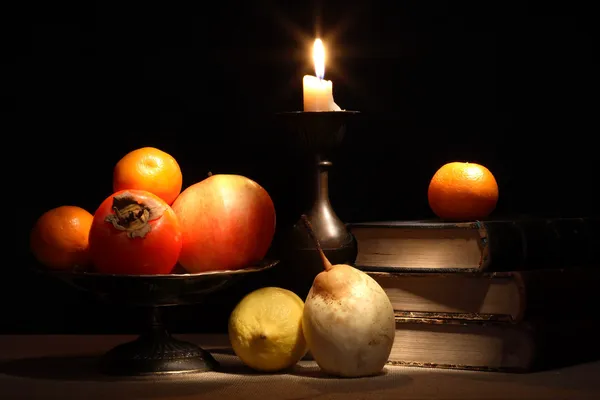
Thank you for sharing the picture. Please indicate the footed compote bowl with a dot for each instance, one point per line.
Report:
(155, 351)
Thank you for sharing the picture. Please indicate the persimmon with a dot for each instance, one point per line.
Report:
(463, 191)
(134, 232)
(149, 169)
(59, 238)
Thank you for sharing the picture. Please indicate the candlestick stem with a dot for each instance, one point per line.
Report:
(322, 188)
(320, 134)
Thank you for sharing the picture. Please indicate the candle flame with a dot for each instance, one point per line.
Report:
(319, 58)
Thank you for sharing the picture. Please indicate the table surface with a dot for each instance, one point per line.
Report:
(62, 367)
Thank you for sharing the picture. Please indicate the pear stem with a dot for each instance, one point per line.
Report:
(326, 264)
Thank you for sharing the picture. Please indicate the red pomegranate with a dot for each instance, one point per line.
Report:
(227, 223)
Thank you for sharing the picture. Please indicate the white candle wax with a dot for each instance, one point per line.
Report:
(318, 94)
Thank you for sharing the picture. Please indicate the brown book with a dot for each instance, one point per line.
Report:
(501, 296)
(490, 246)
(493, 346)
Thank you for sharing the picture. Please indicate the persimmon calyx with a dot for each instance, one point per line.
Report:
(134, 216)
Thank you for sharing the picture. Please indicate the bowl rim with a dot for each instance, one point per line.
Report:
(257, 267)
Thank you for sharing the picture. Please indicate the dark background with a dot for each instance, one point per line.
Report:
(508, 85)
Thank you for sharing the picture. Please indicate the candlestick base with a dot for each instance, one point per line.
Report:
(319, 134)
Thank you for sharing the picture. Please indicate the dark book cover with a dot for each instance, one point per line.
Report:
(510, 245)
(512, 297)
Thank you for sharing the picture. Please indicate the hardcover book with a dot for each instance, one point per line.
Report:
(478, 246)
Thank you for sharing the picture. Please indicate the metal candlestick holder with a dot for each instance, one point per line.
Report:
(320, 134)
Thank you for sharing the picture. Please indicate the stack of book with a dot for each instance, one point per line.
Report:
(505, 295)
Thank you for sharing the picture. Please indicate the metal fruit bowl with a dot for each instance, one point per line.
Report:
(155, 351)
(157, 290)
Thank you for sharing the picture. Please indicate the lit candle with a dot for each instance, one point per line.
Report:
(318, 93)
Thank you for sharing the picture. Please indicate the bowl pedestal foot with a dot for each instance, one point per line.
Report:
(156, 352)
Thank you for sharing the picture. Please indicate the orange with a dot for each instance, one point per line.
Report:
(59, 238)
(463, 191)
(149, 169)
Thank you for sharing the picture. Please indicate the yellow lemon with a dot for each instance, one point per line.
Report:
(265, 329)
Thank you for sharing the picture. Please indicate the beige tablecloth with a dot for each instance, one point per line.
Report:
(63, 367)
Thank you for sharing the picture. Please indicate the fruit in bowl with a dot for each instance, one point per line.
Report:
(227, 223)
(149, 169)
(148, 226)
(59, 238)
(134, 232)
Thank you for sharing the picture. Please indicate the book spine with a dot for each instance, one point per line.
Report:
(519, 245)
(538, 244)
(565, 292)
